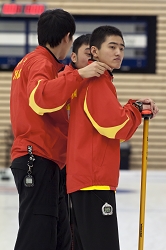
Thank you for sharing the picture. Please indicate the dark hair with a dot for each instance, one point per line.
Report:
(79, 41)
(53, 26)
(99, 35)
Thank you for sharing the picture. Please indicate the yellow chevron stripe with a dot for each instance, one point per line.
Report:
(109, 132)
(36, 108)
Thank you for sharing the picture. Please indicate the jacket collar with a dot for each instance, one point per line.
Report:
(54, 60)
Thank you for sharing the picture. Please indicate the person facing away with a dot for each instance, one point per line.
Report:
(98, 124)
(40, 126)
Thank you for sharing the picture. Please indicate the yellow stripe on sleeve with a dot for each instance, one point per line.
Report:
(109, 132)
(36, 108)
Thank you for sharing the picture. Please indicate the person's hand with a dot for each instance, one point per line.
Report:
(93, 69)
(148, 103)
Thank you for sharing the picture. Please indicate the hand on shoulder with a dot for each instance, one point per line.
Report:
(93, 69)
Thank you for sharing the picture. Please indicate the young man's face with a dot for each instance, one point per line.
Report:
(111, 52)
(81, 58)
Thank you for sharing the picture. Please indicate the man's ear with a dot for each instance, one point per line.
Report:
(94, 51)
(73, 57)
(67, 38)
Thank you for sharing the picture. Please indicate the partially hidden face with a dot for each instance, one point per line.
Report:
(81, 58)
(111, 51)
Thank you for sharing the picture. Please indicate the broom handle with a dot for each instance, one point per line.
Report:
(146, 115)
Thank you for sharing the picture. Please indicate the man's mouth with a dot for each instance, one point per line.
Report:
(117, 59)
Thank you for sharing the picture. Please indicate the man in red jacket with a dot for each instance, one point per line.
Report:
(40, 126)
(98, 123)
(79, 59)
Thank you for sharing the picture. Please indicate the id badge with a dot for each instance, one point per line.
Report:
(107, 209)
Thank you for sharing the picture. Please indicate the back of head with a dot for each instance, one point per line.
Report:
(53, 26)
(99, 35)
(79, 41)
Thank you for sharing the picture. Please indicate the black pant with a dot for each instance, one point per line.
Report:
(43, 217)
(63, 176)
(92, 230)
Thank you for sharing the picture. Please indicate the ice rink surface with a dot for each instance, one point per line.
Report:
(128, 209)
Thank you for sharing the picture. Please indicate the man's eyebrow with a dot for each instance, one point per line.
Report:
(121, 44)
(88, 48)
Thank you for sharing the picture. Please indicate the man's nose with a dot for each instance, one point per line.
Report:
(118, 51)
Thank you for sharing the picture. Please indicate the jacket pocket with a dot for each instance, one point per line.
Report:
(100, 144)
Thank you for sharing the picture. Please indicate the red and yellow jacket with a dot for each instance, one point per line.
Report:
(97, 125)
(38, 106)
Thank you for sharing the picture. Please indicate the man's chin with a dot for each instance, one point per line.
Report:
(116, 66)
